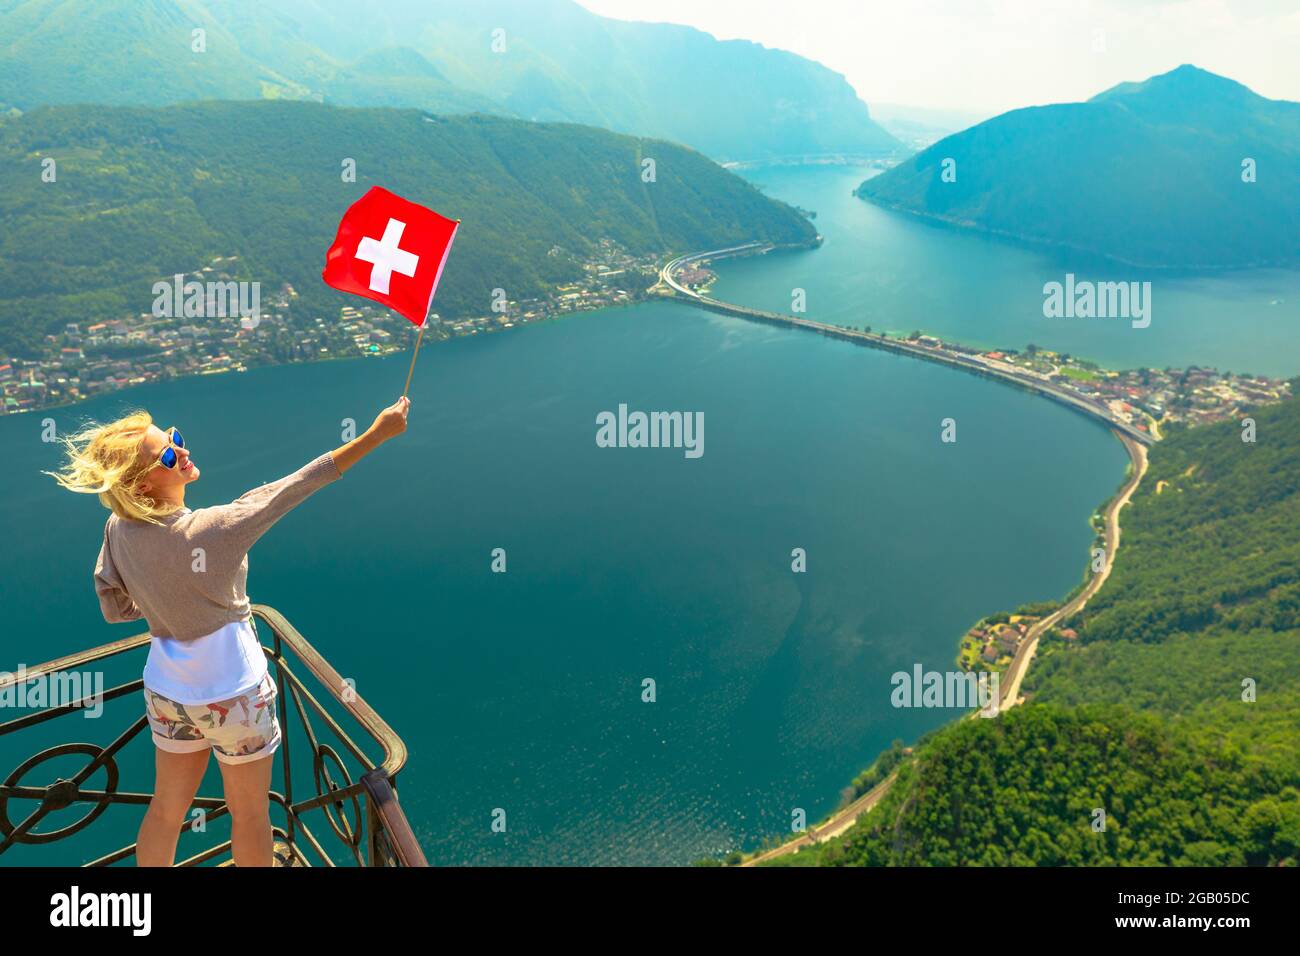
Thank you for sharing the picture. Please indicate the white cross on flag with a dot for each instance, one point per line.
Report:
(392, 251)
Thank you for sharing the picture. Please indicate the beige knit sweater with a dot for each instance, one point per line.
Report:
(186, 576)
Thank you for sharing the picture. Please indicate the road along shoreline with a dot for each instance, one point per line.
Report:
(843, 819)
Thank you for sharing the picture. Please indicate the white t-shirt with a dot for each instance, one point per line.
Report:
(217, 666)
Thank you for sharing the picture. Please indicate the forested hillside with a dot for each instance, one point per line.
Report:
(1023, 790)
(1178, 710)
(1208, 175)
(141, 194)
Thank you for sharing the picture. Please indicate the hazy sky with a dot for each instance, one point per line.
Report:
(988, 56)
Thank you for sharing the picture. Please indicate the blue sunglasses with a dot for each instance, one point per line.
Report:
(169, 458)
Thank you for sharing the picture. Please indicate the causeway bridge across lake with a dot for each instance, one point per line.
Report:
(976, 364)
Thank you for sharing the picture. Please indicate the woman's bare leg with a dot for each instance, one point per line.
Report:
(248, 786)
(176, 780)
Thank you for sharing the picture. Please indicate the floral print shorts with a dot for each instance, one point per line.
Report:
(240, 729)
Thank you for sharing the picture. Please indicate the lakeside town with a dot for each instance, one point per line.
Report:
(88, 359)
(85, 360)
(1145, 398)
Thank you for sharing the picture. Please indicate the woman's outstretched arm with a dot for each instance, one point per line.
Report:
(229, 531)
(388, 424)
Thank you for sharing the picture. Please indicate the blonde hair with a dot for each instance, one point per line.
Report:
(106, 460)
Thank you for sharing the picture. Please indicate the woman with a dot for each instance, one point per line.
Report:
(206, 682)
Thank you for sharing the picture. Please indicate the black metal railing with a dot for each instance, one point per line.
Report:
(363, 816)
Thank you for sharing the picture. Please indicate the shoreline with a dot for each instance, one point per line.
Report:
(233, 370)
(638, 297)
(843, 819)
(960, 359)
(240, 369)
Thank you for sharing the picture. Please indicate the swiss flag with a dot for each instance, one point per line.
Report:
(392, 251)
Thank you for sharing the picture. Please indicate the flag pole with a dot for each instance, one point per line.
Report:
(418, 339)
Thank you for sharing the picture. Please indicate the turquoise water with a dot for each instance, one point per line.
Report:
(897, 273)
(522, 691)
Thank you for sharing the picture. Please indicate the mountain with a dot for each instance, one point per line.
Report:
(141, 52)
(731, 99)
(556, 62)
(141, 194)
(399, 76)
(1145, 173)
(1176, 710)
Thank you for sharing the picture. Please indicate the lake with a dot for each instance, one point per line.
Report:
(898, 273)
(523, 690)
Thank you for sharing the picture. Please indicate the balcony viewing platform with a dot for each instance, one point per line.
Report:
(334, 793)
